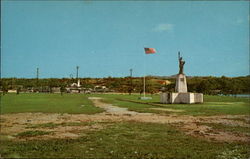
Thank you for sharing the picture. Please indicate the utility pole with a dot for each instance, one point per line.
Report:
(131, 84)
(77, 68)
(37, 76)
(131, 71)
(77, 80)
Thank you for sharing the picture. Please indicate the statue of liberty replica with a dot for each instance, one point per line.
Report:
(181, 94)
(181, 82)
(181, 64)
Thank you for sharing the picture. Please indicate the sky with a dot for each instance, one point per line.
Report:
(107, 38)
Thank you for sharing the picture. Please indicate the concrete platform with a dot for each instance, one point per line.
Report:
(181, 98)
(145, 98)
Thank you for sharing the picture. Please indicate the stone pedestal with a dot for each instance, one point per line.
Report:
(181, 98)
(181, 83)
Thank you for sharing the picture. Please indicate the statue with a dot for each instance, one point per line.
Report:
(181, 64)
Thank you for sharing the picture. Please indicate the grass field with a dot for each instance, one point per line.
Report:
(78, 103)
(47, 103)
(213, 105)
(120, 139)
(126, 140)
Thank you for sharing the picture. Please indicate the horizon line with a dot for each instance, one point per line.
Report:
(124, 76)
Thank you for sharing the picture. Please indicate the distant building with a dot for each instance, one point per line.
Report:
(75, 88)
(56, 90)
(12, 91)
(101, 89)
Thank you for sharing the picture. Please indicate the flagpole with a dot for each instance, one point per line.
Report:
(144, 88)
(147, 51)
(144, 79)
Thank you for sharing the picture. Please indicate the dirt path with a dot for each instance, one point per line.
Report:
(110, 109)
(194, 126)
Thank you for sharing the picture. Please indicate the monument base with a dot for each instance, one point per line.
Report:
(184, 98)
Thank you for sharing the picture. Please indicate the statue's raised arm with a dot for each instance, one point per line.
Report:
(181, 64)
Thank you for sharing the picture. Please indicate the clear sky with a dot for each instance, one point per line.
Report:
(107, 38)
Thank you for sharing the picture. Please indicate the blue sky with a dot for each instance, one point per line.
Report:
(107, 38)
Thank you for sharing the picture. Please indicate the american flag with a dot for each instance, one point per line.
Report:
(150, 50)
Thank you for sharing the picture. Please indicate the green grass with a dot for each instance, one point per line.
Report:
(125, 140)
(213, 105)
(142, 108)
(78, 103)
(213, 108)
(54, 125)
(32, 133)
(138, 107)
(47, 103)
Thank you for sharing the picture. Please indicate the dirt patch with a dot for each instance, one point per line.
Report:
(20, 122)
(203, 131)
(227, 120)
(63, 132)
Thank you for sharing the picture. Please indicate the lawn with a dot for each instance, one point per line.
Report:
(47, 103)
(79, 103)
(125, 140)
(121, 139)
(213, 105)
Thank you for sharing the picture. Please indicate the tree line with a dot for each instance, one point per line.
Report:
(207, 85)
